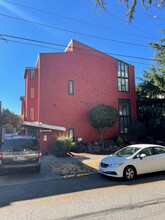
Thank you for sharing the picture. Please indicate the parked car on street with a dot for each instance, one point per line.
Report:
(134, 160)
(20, 152)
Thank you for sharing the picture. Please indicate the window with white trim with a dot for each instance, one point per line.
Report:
(31, 114)
(32, 91)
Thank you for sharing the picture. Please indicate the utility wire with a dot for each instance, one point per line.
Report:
(5, 36)
(134, 26)
(73, 32)
(32, 40)
(36, 45)
(52, 48)
(78, 20)
(140, 12)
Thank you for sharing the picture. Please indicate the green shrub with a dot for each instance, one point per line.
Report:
(160, 142)
(120, 142)
(62, 146)
(149, 140)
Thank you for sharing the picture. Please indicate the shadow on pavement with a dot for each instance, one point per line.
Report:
(46, 187)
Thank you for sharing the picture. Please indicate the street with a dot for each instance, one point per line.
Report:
(88, 197)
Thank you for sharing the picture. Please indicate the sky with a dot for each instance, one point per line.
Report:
(30, 27)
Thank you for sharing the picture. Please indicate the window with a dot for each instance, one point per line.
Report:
(123, 79)
(32, 74)
(32, 92)
(159, 150)
(147, 152)
(31, 114)
(71, 133)
(45, 137)
(70, 87)
(124, 115)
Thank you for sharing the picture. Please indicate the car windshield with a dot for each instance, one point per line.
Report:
(20, 144)
(126, 152)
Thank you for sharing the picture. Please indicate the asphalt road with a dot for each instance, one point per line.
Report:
(91, 197)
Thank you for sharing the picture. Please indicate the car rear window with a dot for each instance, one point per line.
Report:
(20, 145)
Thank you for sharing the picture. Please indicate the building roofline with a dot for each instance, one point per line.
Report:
(71, 41)
(28, 68)
(44, 126)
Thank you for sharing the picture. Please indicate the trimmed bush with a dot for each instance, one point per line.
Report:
(62, 146)
(120, 142)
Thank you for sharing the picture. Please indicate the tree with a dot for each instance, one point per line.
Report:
(152, 83)
(137, 128)
(9, 119)
(103, 117)
(151, 93)
(130, 5)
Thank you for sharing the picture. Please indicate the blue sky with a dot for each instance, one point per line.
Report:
(62, 20)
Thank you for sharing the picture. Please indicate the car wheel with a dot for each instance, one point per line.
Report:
(129, 173)
(37, 169)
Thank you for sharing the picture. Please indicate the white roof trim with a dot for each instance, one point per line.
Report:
(68, 45)
(44, 126)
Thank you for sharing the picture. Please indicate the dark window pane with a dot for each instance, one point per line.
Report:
(70, 87)
(124, 112)
(32, 74)
(20, 145)
(123, 81)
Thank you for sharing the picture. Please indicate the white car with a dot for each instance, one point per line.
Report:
(134, 160)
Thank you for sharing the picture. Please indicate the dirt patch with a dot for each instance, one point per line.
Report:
(76, 168)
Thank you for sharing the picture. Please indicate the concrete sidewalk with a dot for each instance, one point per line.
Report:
(46, 174)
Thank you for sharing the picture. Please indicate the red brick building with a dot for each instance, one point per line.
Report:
(62, 88)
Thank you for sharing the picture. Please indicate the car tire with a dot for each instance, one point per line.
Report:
(37, 169)
(129, 173)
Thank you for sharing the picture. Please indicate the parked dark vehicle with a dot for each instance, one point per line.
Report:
(20, 152)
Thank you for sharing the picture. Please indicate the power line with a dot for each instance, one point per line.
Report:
(52, 48)
(141, 63)
(154, 16)
(37, 45)
(32, 40)
(26, 43)
(73, 32)
(5, 36)
(78, 20)
(134, 26)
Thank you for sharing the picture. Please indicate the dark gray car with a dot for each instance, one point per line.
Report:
(20, 152)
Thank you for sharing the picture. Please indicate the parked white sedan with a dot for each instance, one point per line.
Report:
(134, 160)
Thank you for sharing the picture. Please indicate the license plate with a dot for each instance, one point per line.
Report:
(19, 158)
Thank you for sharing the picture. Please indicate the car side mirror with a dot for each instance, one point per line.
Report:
(142, 156)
